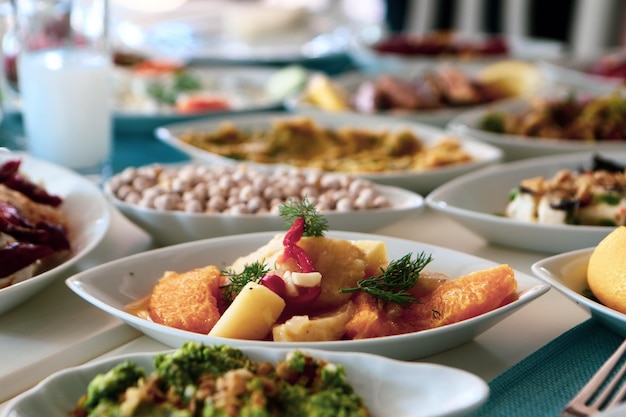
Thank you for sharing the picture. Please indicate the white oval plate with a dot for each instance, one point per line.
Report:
(476, 199)
(172, 227)
(87, 210)
(515, 147)
(419, 181)
(112, 286)
(567, 273)
(389, 387)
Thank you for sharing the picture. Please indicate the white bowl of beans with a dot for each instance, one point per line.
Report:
(192, 201)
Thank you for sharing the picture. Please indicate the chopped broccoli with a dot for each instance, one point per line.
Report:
(181, 369)
(300, 386)
(110, 385)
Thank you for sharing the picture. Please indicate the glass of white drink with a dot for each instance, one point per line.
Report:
(64, 75)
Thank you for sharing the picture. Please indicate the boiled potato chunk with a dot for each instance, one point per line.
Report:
(251, 315)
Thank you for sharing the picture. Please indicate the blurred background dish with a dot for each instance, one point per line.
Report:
(425, 50)
(414, 50)
(347, 204)
(237, 32)
(604, 72)
(133, 278)
(547, 125)
(399, 387)
(149, 93)
(87, 211)
(420, 165)
(434, 95)
(478, 201)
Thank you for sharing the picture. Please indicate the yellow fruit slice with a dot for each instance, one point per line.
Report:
(325, 94)
(606, 271)
(514, 78)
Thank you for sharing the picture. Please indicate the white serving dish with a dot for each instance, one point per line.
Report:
(477, 201)
(418, 181)
(388, 387)
(466, 125)
(87, 210)
(567, 273)
(112, 286)
(172, 227)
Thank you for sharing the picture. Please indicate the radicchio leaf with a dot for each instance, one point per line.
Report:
(10, 177)
(18, 255)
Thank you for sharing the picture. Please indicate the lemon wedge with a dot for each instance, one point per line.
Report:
(326, 95)
(513, 77)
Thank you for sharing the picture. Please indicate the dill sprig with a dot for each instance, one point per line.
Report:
(251, 273)
(393, 284)
(314, 223)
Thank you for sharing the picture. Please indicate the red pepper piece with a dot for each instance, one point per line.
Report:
(275, 283)
(10, 177)
(13, 222)
(295, 252)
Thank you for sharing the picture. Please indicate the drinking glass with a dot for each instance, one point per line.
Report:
(64, 80)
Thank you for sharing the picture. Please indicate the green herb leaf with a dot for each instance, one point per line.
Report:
(314, 223)
(393, 284)
(251, 273)
(185, 81)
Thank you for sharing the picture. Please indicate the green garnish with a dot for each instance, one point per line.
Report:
(183, 81)
(314, 223)
(393, 284)
(251, 273)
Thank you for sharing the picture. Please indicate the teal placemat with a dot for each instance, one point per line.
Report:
(542, 383)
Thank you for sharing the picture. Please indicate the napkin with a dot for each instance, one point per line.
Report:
(544, 382)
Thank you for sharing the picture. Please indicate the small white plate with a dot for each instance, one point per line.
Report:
(418, 181)
(567, 273)
(87, 210)
(477, 201)
(172, 227)
(388, 387)
(112, 286)
(467, 125)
